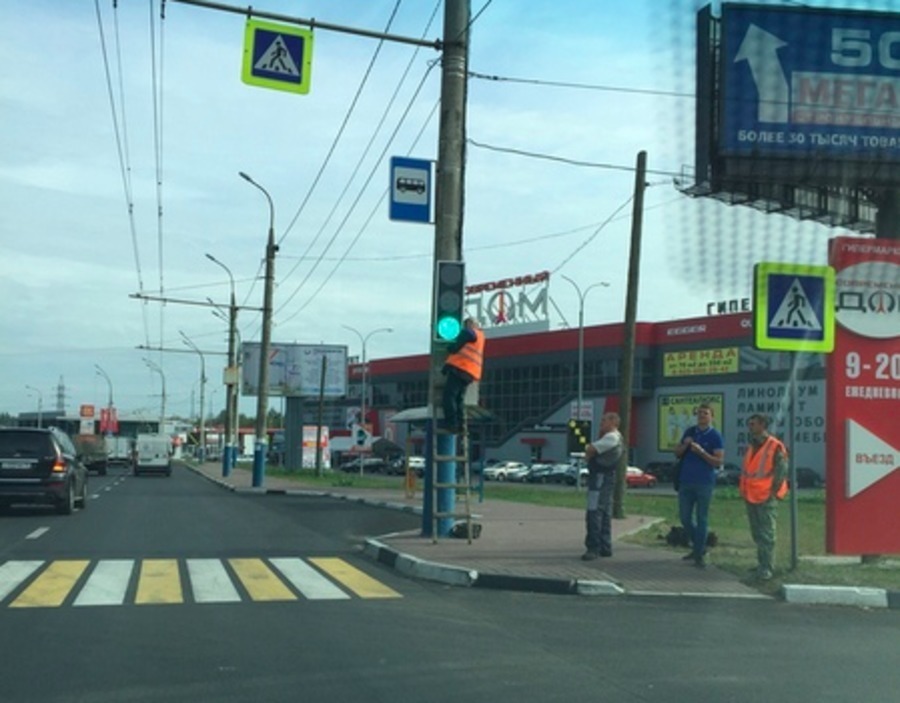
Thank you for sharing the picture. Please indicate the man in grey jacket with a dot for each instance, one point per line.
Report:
(603, 458)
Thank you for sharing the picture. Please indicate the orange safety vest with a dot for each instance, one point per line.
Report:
(759, 471)
(470, 357)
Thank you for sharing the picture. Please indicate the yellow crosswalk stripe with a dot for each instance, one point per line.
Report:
(159, 582)
(260, 581)
(52, 586)
(360, 583)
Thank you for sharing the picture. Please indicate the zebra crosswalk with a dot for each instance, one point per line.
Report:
(110, 582)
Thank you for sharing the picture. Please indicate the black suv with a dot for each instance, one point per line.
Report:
(41, 466)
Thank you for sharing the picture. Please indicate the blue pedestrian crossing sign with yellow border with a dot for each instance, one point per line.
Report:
(793, 307)
(277, 56)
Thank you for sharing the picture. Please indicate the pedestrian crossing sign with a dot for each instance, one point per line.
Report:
(277, 56)
(793, 307)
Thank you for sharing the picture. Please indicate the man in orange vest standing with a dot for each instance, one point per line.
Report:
(762, 485)
(463, 365)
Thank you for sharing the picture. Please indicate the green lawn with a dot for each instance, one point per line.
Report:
(735, 551)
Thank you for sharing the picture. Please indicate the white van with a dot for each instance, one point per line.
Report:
(153, 454)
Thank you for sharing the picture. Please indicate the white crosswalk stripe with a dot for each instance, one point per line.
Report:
(107, 583)
(111, 582)
(210, 582)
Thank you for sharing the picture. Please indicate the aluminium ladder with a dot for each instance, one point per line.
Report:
(461, 485)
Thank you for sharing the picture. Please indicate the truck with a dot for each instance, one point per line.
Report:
(91, 452)
(118, 450)
(152, 454)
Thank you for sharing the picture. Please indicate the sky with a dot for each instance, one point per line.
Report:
(123, 137)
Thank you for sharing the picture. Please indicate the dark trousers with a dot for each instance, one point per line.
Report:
(454, 398)
(598, 518)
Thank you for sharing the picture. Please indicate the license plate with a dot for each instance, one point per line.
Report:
(16, 464)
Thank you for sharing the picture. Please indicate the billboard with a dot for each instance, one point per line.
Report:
(676, 412)
(793, 95)
(295, 370)
(863, 377)
(801, 82)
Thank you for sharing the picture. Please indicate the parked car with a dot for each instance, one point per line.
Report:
(539, 473)
(662, 470)
(808, 478)
(728, 475)
(518, 474)
(501, 470)
(41, 466)
(576, 472)
(635, 478)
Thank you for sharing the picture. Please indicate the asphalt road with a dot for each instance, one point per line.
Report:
(374, 636)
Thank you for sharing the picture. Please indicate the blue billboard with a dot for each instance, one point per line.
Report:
(809, 83)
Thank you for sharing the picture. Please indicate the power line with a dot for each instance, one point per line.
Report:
(580, 86)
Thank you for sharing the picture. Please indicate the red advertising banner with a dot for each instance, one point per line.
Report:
(863, 399)
(109, 421)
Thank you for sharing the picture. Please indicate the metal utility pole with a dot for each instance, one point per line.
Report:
(631, 298)
(162, 405)
(262, 392)
(189, 343)
(109, 403)
(228, 456)
(581, 298)
(40, 405)
(449, 197)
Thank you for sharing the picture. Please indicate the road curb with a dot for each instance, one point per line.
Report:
(860, 597)
(419, 568)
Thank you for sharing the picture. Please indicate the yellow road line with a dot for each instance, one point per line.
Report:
(260, 581)
(361, 584)
(50, 589)
(159, 582)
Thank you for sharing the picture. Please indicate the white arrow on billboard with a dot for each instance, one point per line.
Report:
(869, 458)
(760, 50)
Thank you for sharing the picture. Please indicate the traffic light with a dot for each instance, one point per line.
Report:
(449, 289)
(578, 435)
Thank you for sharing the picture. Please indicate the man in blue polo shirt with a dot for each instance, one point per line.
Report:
(701, 452)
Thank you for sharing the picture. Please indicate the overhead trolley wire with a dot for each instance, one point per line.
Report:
(121, 138)
(157, 94)
(359, 162)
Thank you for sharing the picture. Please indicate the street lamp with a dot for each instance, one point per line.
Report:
(189, 343)
(109, 404)
(40, 404)
(162, 407)
(581, 297)
(362, 401)
(262, 393)
(230, 452)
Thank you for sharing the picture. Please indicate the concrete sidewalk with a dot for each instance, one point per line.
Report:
(521, 547)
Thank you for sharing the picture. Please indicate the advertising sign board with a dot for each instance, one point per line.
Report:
(296, 369)
(863, 394)
(807, 82)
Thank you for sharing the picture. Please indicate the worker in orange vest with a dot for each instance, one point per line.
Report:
(763, 483)
(463, 366)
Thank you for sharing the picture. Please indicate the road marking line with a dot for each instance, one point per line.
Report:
(307, 580)
(361, 584)
(12, 573)
(210, 582)
(37, 533)
(107, 583)
(260, 581)
(52, 586)
(159, 582)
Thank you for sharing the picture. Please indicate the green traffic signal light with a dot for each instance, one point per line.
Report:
(448, 328)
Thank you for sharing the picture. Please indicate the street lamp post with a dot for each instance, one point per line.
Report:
(189, 343)
(230, 451)
(109, 404)
(362, 401)
(581, 297)
(162, 406)
(40, 418)
(259, 451)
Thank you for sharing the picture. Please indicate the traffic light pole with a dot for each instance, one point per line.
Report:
(450, 183)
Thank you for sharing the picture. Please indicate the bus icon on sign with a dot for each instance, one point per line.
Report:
(407, 185)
